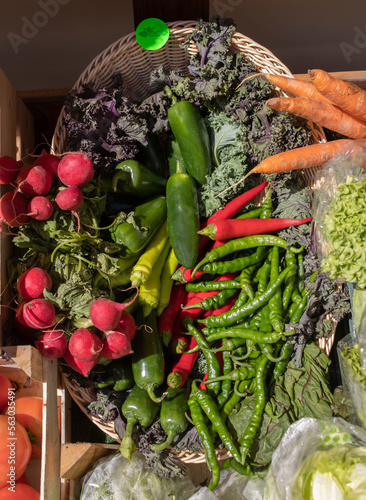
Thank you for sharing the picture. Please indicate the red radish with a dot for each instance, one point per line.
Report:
(40, 208)
(52, 344)
(127, 324)
(14, 209)
(85, 345)
(70, 198)
(34, 180)
(32, 283)
(49, 162)
(9, 169)
(21, 326)
(39, 314)
(75, 169)
(105, 314)
(83, 367)
(116, 344)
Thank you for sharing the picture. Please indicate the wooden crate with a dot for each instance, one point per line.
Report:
(33, 375)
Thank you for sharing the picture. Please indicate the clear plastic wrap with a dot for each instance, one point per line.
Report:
(330, 449)
(339, 215)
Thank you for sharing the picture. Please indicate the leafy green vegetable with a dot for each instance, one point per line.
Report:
(338, 473)
(345, 226)
(300, 392)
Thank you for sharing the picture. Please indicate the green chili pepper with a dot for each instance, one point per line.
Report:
(148, 357)
(244, 470)
(172, 416)
(214, 301)
(275, 302)
(213, 365)
(211, 286)
(204, 433)
(138, 408)
(138, 228)
(151, 155)
(132, 179)
(234, 399)
(225, 384)
(117, 374)
(281, 365)
(300, 272)
(208, 405)
(239, 244)
(242, 373)
(239, 313)
(191, 134)
(290, 259)
(174, 156)
(246, 441)
(252, 214)
(183, 217)
(267, 205)
(234, 265)
(255, 335)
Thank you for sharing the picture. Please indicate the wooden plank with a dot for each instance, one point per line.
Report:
(24, 131)
(7, 147)
(23, 365)
(78, 458)
(51, 446)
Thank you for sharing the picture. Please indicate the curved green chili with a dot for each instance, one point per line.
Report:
(254, 335)
(208, 405)
(239, 244)
(212, 286)
(291, 261)
(213, 365)
(234, 399)
(285, 353)
(213, 301)
(239, 313)
(204, 433)
(248, 437)
(227, 367)
(233, 265)
(275, 302)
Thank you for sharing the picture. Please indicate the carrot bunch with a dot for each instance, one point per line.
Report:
(326, 100)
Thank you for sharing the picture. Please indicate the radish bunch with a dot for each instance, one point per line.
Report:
(32, 186)
(115, 329)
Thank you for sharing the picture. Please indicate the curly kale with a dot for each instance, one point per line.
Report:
(104, 124)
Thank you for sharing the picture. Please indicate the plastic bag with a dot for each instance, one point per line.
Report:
(343, 168)
(116, 478)
(302, 447)
(339, 215)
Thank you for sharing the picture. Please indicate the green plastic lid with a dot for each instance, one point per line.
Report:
(152, 33)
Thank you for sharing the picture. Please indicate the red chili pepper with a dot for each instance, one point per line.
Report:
(170, 313)
(237, 228)
(231, 208)
(185, 275)
(183, 367)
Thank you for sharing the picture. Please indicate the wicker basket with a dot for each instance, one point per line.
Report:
(135, 64)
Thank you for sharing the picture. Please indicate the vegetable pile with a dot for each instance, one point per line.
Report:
(190, 300)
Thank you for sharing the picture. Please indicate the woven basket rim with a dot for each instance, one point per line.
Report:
(276, 66)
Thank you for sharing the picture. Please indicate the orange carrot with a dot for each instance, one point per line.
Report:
(303, 157)
(296, 88)
(325, 115)
(346, 95)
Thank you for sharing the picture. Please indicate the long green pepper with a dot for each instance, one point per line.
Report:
(208, 405)
(239, 313)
